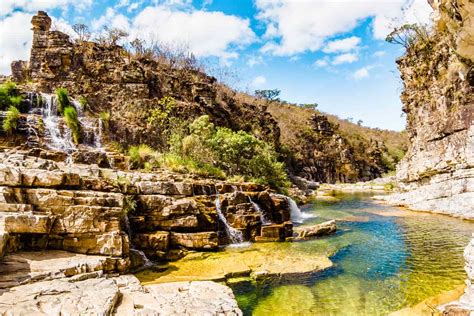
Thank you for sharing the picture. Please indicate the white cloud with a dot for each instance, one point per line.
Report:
(321, 63)
(111, 19)
(347, 58)
(361, 73)
(379, 53)
(342, 45)
(254, 61)
(259, 81)
(205, 33)
(298, 26)
(9, 6)
(15, 39)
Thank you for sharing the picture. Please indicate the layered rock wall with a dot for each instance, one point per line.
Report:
(87, 209)
(437, 174)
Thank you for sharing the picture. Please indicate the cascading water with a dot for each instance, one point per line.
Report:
(58, 136)
(256, 207)
(128, 230)
(297, 216)
(235, 235)
(58, 141)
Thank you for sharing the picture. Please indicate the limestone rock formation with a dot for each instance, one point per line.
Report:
(437, 174)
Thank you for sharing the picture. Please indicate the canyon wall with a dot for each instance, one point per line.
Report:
(437, 173)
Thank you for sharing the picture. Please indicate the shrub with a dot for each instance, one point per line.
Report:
(9, 96)
(83, 103)
(11, 120)
(129, 204)
(63, 100)
(140, 154)
(105, 118)
(70, 116)
(236, 153)
(408, 35)
(185, 164)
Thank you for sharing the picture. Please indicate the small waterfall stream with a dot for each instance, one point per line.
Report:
(297, 216)
(256, 207)
(128, 230)
(57, 135)
(58, 141)
(235, 235)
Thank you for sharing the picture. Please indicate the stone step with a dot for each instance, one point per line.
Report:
(25, 223)
(18, 208)
(28, 267)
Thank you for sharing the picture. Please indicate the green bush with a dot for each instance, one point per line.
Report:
(9, 96)
(237, 153)
(11, 120)
(70, 117)
(141, 154)
(63, 100)
(104, 116)
(185, 164)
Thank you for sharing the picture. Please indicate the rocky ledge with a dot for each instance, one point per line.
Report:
(68, 230)
(61, 283)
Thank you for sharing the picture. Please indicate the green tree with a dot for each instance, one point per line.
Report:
(269, 95)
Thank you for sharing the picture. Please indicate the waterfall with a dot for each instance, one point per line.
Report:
(57, 135)
(235, 235)
(297, 216)
(62, 142)
(128, 230)
(256, 207)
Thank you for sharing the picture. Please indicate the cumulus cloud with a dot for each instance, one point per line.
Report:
(15, 39)
(321, 63)
(342, 45)
(205, 33)
(347, 58)
(361, 73)
(259, 81)
(297, 26)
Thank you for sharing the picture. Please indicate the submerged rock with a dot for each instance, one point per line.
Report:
(261, 262)
(465, 304)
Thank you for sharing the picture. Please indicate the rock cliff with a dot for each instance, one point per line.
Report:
(437, 173)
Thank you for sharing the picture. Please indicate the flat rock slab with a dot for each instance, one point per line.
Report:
(61, 297)
(263, 261)
(25, 267)
(179, 298)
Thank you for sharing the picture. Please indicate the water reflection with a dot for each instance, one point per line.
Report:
(385, 259)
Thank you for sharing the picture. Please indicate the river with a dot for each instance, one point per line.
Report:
(385, 259)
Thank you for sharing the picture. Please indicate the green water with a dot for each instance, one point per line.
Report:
(384, 260)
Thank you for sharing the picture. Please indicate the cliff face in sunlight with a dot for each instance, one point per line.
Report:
(438, 98)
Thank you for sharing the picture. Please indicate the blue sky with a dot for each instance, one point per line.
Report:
(331, 52)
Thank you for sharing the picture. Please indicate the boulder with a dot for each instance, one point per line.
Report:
(318, 230)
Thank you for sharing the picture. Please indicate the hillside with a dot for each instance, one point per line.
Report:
(148, 98)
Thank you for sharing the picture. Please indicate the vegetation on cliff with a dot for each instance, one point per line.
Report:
(149, 95)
